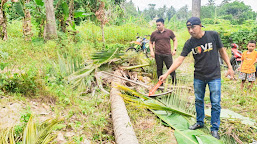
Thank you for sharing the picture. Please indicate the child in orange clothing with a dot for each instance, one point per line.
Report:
(247, 69)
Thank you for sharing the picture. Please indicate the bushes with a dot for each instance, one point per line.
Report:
(113, 34)
(23, 83)
(240, 34)
(239, 37)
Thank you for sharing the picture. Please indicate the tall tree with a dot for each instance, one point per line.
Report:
(225, 2)
(182, 13)
(196, 8)
(237, 12)
(3, 20)
(130, 9)
(27, 22)
(151, 12)
(161, 12)
(211, 2)
(208, 11)
(70, 20)
(101, 16)
(50, 31)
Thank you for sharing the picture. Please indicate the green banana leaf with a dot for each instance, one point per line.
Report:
(19, 8)
(182, 133)
(39, 2)
(78, 14)
(171, 114)
(65, 9)
(231, 115)
(73, 25)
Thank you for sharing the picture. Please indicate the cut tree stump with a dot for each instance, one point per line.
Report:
(123, 129)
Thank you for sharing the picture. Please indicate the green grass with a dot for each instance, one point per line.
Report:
(87, 115)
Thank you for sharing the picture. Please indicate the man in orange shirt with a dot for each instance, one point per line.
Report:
(247, 69)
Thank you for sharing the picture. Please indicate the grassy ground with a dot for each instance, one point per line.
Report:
(41, 91)
(37, 70)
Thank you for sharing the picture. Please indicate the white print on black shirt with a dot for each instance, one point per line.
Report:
(202, 48)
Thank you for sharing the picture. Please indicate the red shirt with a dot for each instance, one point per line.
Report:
(162, 41)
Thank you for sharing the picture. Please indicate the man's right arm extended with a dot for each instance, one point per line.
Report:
(151, 48)
(173, 67)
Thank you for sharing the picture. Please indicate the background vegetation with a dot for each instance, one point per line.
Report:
(37, 69)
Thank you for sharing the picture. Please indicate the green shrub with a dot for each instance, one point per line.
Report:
(19, 83)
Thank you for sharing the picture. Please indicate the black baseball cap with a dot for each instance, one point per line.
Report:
(193, 21)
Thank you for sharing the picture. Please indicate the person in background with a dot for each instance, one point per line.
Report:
(247, 68)
(161, 39)
(205, 46)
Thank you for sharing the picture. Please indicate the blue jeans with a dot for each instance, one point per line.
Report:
(215, 92)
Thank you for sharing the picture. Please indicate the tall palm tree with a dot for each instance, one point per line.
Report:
(23, 12)
(123, 129)
(3, 20)
(196, 8)
(50, 31)
(27, 23)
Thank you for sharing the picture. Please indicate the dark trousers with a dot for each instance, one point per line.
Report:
(167, 59)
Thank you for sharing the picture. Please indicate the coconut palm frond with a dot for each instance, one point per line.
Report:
(7, 136)
(68, 65)
(134, 67)
(33, 133)
(173, 100)
(30, 132)
(11, 136)
(178, 98)
(84, 75)
(41, 134)
(150, 103)
(45, 130)
(82, 70)
(126, 89)
(62, 65)
(105, 56)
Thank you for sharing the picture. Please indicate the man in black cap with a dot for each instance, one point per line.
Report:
(205, 46)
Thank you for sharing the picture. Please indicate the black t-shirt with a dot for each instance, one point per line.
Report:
(205, 53)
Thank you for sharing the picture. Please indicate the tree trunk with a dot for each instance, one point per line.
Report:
(63, 24)
(71, 15)
(123, 130)
(50, 31)
(196, 8)
(3, 23)
(102, 28)
(41, 28)
(101, 16)
(70, 20)
(27, 24)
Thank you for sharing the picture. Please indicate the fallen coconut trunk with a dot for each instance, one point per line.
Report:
(123, 130)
